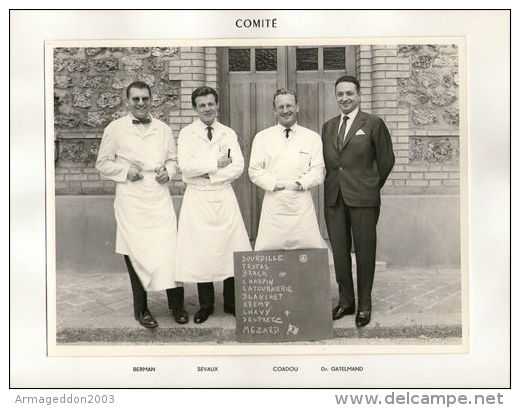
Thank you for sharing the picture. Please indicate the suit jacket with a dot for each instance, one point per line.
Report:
(361, 166)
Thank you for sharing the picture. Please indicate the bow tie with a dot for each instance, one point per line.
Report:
(141, 121)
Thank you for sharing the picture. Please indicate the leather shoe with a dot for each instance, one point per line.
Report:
(202, 315)
(363, 317)
(229, 309)
(146, 319)
(180, 316)
(339, 311)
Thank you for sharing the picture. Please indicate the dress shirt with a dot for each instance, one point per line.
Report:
(351, 117)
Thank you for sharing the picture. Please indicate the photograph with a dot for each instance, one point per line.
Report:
(259, 199)
(149, 214)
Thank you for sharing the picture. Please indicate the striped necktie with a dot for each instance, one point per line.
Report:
(341, 133)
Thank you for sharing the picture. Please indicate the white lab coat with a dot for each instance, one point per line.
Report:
(288, 219)
(146, 221)
(211, 227)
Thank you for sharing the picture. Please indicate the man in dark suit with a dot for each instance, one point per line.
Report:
(358, 154)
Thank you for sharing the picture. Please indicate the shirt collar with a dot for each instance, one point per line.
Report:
(204, 126)
(282, 127)
(351, 115)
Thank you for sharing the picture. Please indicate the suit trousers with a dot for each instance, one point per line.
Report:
(175, 295)
(345, 223)
(206, 293)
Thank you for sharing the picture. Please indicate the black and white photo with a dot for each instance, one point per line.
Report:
(414, 293)
(396, 166)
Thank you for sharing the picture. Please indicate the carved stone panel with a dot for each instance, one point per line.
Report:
(431, 92)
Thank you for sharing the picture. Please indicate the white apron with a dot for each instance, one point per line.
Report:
(288, 221)
(210, 230)
(146, 230)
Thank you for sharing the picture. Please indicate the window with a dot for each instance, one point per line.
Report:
(307, 59)
(265, 59)
(239, 59)
(334, 58)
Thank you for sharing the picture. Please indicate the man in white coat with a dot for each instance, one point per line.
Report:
(138, 153)
(211, 227)
(287, 161)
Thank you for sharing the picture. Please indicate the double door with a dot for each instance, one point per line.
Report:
(250, 76)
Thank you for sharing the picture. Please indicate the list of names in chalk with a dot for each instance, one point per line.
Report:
(273, 299)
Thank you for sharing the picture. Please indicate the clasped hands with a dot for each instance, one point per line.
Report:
(292, 186)
(136, 173)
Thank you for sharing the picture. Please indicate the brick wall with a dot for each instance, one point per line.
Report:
(89, 93)
(196, 67)
(414, 88)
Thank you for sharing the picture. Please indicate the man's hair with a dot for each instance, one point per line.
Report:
(348, 78)
(285, 92)
(203, 91)
(138, 85)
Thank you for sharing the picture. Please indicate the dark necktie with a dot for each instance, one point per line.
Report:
(341, 133)
(141, 121)
(210, 135)
(287, 130)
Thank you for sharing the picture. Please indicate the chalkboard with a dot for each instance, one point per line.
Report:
(282, 296)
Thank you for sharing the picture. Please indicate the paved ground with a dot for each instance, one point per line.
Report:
(421, 306)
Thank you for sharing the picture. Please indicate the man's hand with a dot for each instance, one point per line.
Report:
(161, 175)
(134, 173)
(293, 186)
(224, 161)
(279, 187)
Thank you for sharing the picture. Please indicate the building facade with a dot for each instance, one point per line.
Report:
(413, 87)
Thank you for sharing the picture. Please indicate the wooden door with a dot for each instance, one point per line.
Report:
(250, 76)
(312, 72)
